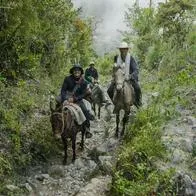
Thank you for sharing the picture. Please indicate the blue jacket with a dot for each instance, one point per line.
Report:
(73, 88)
(92, 72)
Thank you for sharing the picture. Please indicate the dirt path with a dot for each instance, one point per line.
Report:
(88, 175)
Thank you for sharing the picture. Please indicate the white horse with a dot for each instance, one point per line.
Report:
(123, 97)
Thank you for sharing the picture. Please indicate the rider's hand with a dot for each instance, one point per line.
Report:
(92, 80)
(70, 100)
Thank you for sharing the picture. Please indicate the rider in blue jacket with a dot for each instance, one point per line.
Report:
(74, 89)
(125, 57)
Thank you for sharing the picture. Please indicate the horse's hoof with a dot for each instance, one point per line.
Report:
(122, 133)
(88, 134)
(116, 135)
(82, 147)
(73, 160)
(64, 162)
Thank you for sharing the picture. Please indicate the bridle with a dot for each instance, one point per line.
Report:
(62, 117)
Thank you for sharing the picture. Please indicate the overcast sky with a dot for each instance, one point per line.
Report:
(111, 14)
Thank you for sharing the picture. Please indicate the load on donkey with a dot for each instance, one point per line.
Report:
(72, 113)
(98, 96)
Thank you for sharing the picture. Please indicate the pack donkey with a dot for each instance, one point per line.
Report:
(64, 123)
(97, 98)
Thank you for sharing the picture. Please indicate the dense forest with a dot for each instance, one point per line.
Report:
(39, 42)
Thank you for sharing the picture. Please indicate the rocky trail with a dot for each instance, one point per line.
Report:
(179, 137)
(90, 175)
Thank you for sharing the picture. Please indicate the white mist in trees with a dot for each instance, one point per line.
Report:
(109, 16)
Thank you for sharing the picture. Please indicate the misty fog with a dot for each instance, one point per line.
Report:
(110, 15)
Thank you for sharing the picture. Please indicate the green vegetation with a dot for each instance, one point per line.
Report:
(39, 41)
(165, 45)
(104, 65)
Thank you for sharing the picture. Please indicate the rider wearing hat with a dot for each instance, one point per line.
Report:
(91, 74)
(131, 72)
(74, 89)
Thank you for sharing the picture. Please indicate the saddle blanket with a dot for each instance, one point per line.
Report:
(76, 111)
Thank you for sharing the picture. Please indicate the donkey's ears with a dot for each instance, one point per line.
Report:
(116, 67)
(52, 100)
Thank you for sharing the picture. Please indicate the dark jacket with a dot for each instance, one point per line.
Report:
(133, 67)
(69, 85)
(92, 72)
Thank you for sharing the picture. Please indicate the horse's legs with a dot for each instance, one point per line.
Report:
(117, 123)
(73, 139)
(99, 111)
(125, 120)
(64, 139)
(94, 108)
(82, 140)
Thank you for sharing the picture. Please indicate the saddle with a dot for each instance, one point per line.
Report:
(76, 112)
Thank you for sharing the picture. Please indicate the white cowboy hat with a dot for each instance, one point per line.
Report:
(123, 45)
(92, 63)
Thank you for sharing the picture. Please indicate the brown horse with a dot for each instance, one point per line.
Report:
(123, 97)
(64, 123)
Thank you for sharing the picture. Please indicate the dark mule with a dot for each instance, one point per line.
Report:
(98, 99)
(123, 97)
(64, 123)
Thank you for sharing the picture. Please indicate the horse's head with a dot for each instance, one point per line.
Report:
(118, 77)
(56, 118)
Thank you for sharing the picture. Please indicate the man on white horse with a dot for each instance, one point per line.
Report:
(130, 67)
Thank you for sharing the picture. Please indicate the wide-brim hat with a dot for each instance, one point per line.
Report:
(76, 66)
(123, 45)
(91, 63)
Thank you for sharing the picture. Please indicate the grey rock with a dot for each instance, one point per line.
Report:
(193, 128)
(12, 187)
(28, 187)
(189, 192)
(57, 171)
(194, 185)
(106, 162)
(186, 145)
(39, 177)
(111, 145)
(191, 120)
(193, 164)
(92, 165)
(46, 176)
(79, 163)
(98, 186)
(187, 181)
(102, 149)
(178, 156)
